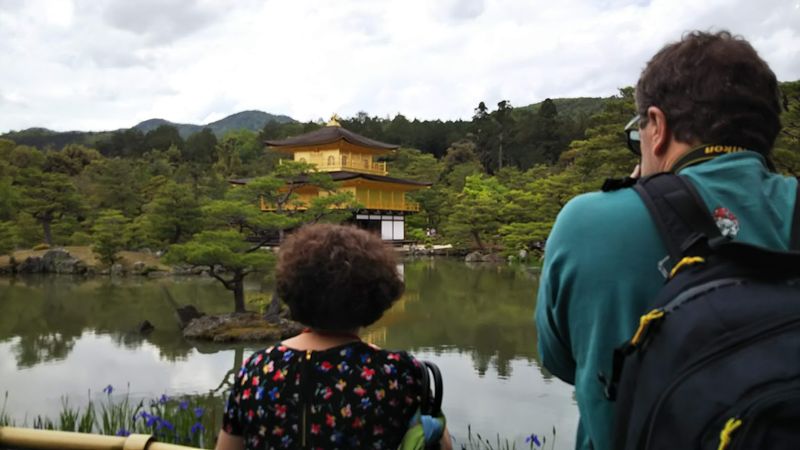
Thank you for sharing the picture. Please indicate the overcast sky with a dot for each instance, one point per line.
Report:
(107, 64)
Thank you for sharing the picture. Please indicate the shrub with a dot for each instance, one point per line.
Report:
(108, 237)
(80, 238)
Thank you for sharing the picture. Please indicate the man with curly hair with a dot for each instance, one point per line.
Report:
(708, 108)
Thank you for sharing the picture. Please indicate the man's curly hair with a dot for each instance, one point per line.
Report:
(336, 277)
(714, 89)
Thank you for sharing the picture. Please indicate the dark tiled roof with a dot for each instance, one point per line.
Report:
(326, 135)
(345, 175)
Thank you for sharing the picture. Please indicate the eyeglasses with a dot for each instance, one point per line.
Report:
(632, 134)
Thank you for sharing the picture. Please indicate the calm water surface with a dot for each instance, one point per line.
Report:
(63, 336)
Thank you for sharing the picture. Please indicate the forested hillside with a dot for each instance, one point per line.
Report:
(499, 179)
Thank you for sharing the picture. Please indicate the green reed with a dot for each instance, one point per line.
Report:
(478, 442)
(185, 420)
(5, 418)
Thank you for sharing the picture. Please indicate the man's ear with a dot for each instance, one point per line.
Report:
(661, 133)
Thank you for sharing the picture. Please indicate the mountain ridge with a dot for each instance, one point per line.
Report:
(253, 120)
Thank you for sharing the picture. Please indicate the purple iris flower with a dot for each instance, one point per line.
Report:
(164, 399)
(166, 424)
(198, 412)
(152, 420)
(108, 389)
(197, 428)
(123, 432)
(183, 405)
(533, 438)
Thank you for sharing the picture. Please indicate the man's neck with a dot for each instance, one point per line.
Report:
(674, 154)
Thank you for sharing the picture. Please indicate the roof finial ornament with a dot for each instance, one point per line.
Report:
(334, 122)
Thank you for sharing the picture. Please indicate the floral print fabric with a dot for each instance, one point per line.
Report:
(351, 396)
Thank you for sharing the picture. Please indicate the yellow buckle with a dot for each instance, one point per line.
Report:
(645, 322)
(687, 261)
(725, 436)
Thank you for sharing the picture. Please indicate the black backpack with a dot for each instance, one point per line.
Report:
(715, 364)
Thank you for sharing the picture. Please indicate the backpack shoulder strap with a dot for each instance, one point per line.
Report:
(680, 214)
(425, 383)
(795, 239)
(438, 385)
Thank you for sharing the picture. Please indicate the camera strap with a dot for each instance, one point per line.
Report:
(705, 153)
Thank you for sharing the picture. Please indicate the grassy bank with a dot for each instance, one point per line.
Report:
(85, 254)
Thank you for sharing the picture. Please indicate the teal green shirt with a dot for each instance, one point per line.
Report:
(601, 271)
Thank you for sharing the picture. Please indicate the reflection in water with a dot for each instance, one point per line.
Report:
(48, 313)
(62, 336)
(485, 312)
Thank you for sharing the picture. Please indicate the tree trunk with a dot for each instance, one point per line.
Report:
(477, 237)
(48, 235)
(177, 235)
(273, 310)
(238, 293)
(500, 153)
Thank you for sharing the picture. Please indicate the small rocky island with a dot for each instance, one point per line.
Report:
(237, 327)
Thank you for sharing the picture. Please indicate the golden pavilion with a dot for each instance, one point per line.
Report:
(352, 162)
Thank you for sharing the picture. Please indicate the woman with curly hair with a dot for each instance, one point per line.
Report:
(325, 388)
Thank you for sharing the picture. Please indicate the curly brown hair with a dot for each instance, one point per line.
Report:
(336, 277)
(714, 89)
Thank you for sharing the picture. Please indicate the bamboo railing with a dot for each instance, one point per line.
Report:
(26, 438)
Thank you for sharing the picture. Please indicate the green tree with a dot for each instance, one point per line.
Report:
(8, 238)
(114, 183)
(786, 153)
(24, 157)
(174, 214)
(504, 119)
(280, 191)
(162, 138)
(6, 147)
(228, 151)
(108, 235)
(138, 234)
(484, 131)
(254, 159)
(604, 152)
(231, 222)
(48, 197)
(29, 230)
(475, 215)
(200, 147)
(9, 199)
(549, 131)
(128, 143)
(71, 160)
(459, 162)
(224, 248)
(412, 164)
(228, 257)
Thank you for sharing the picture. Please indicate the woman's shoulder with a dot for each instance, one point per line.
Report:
(396, 358)
(269, 354)
(358, 352)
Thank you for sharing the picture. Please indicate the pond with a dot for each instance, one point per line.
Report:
(70, 337)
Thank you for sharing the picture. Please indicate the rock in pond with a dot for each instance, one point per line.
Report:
(234, 327)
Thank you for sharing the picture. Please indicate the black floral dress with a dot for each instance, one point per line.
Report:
(350, 396)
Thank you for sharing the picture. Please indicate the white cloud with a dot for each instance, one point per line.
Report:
(110, 63)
